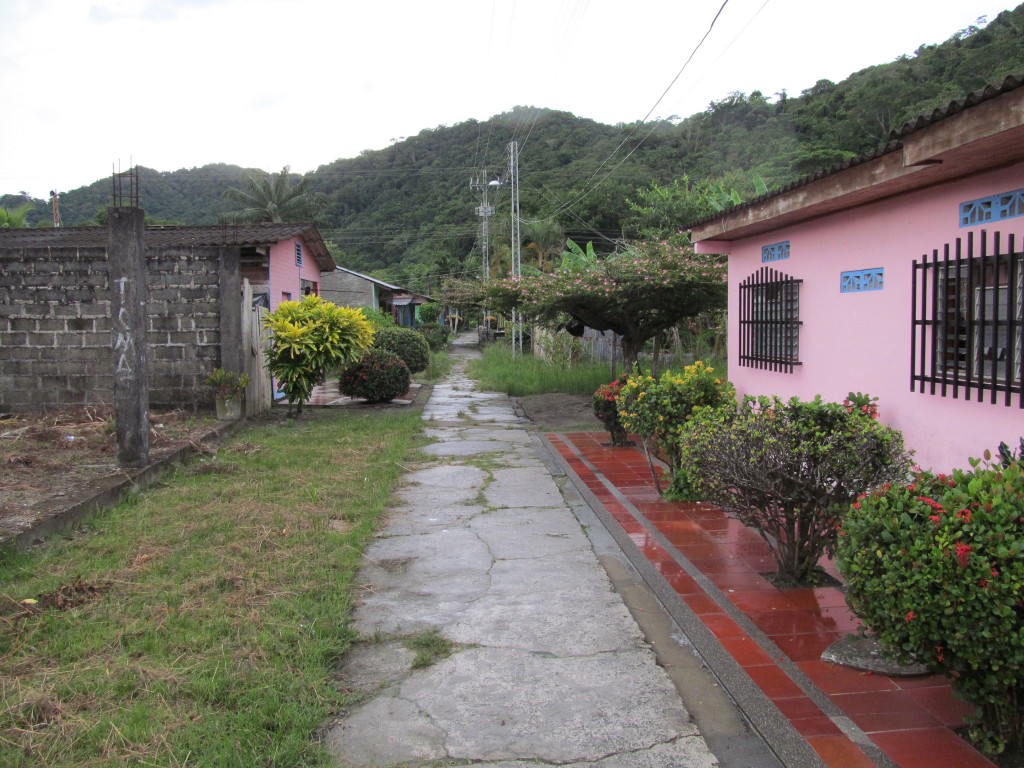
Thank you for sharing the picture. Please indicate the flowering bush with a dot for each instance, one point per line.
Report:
(636, 293)
(791, 470)
(607, 410)
(935, 568)
(379, 376)
(659, 408)
(408, 344)
(865, 405)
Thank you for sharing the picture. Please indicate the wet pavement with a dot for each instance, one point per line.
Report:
(714, 569)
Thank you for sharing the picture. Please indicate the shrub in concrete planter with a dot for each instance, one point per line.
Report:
(379, 376)
(228, 391)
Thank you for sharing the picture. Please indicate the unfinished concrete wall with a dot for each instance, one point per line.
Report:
(55, 347)
(347, 290)
(54, 328)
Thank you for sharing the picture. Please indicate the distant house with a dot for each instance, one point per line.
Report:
(898, 274)
(349, 288)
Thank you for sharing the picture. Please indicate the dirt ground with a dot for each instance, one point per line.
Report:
(560, 412)
(54, 459)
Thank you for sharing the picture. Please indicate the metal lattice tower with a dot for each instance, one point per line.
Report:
(484, 211)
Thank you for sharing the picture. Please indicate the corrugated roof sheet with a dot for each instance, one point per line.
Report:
(893, 143)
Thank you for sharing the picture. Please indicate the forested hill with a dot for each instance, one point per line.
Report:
(407, 212)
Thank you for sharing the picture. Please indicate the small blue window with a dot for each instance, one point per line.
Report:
(775, 251)
(860, 280)
(1006, 205)
(298, 254)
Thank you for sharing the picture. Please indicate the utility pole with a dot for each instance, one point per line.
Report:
(517, 262)
(55, 206)
(484, 211)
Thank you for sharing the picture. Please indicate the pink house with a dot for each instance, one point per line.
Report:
(284, 261)
(897, 275)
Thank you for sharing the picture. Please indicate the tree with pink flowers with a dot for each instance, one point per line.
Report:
(636, 293)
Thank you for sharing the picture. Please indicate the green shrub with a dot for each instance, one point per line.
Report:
(409, 345)
(308, 338)
(429, 314)
(379, 319)
(935, 568)
(659, 408)
(436, 336)
(790, 470)
(379, 376)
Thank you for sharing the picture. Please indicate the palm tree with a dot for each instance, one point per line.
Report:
(15, 218)
(273, 198)
(546, 240)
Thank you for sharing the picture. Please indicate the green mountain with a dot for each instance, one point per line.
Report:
(408, 213)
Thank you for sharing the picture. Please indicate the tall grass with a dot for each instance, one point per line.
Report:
(497, 370)
(199, 623)
(437, 368)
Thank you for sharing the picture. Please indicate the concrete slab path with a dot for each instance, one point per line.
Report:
(489, 549)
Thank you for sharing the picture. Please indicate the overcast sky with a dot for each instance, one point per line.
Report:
(266, 83)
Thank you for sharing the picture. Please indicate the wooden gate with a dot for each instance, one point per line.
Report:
(255, 338)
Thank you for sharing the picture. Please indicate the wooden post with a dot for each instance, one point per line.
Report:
(127, 277)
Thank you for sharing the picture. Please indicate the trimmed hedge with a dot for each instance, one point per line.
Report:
(408, 344)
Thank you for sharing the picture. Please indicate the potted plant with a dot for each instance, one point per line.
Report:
(228, 390)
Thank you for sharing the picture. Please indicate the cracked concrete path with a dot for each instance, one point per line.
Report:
(547, 666)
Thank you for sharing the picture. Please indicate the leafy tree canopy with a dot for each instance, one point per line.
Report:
(637, 293)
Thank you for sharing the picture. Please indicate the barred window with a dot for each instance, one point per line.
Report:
(968, 321)
(770, 321)
(298, 254)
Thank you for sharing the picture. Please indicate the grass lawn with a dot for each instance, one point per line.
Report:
(199, 623)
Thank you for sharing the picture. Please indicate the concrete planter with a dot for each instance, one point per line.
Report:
(229, 408)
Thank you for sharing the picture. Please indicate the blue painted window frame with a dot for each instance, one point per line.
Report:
(298, 254)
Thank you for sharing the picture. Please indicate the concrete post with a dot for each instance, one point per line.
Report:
(231, 310)
(127, 265)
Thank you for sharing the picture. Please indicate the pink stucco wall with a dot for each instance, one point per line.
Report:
(285, 276)
(861, 341)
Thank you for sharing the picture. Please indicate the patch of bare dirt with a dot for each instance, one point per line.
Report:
(54, 459)
(561, 412)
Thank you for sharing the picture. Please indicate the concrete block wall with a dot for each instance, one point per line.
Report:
(183, 325)
(55, 327)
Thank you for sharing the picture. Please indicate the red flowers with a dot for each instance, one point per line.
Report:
(963, 553)
(910, 617)
(931, 503)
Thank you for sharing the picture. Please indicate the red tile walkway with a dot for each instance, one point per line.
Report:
(909, 719)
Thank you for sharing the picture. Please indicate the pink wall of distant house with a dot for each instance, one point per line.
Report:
(286, 276)
(862, 341)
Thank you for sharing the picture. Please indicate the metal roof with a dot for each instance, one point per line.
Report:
(254, 235)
